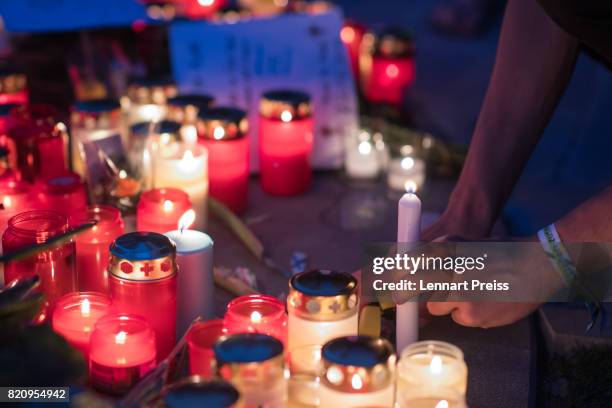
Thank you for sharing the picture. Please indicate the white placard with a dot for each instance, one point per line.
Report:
(237, 62)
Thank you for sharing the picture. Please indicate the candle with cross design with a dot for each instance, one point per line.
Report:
(143, 281)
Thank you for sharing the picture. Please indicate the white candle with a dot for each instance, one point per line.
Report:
(306, 366)
(362, 160)
(408, 233)
(194, 256)
(431, 397)
(406, 174)
(148, 112)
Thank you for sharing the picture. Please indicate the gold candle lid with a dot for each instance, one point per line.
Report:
(358, 364)
(222, 123)
(185, 108)
(285, 105)
(393, 43)
(151, 91)
(323, 295)
(142, 256)
(96, 113)
(12, 81)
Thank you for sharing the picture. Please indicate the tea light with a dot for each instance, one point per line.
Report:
(358, 372)
(195, 391)
(143, 281)
(351, 35)
(362, 158)
(13, 87)
(159, 210)
(285, 142)
(322, 305)
(197, 9)
(255, 365)
(92, 246)
(431, 364)
(391, 68)
(122, 351)
(147, 98)
(431, 397)
(224, 133)
(194, 257)
(75, 316)
(64, 193)
(201, 339)
(16, 197)
(257, 314)
(406, 173)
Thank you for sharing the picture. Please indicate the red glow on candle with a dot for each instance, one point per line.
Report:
(20, 98)
(64, 193)
(352, 37)
(159, 210)
(257, 314)
(16, 196)
(389, 79)
(201, 338)
(196, 9)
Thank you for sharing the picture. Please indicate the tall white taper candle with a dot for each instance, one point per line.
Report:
(408, 233)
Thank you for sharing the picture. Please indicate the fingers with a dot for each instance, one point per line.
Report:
(441, 308)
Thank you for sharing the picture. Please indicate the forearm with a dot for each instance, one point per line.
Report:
(589, 222)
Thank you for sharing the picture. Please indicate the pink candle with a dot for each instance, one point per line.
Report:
(159, 210)
(64, 193)
(13, 87)
(257, 314)
(285, 142)
(122, 351)
(196, 9)
(202, 337)
(92, 251)
(75, 316)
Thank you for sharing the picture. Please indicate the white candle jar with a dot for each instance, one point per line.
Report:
(146, 100)
(253, 363)
(431, 397)
(431, 364)
(322, 305)
(406, 172)
(359, 371)
(362, 159)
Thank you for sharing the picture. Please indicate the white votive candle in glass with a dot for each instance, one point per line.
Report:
(406, 172)
(362, 159)
(146, 100)
(431, 397)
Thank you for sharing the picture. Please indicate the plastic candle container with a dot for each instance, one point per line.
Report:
(306, 367)
(201, 339)
(75, 316)
(351, 35)
(184, 109)
(92, 246)
(56, 266)
(257, 314)
(224, 134)
(358, 372)
(13, 87)
(64, 193)
(322, 305)
(159, 210)
(143, 281)
(16, 197)
(363, 158)
(147, 98)
(255, 365)
(6, 124)
(391, 68)
(406, 172)
(431, 364)
(285, 142)
(122, 351)
(195, 391)
(431, 397)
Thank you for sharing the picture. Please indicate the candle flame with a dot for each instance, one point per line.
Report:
(435, 366)
(122, 174)
(218, 133)
(256, 317)
(356, 382)
(7, 202)
(186, 220)
(392, 71)
(168, 205)
(410, 186)
(206, 3)
(164, 138)
(407, 163)
(189, 134)
(347, 35)
(120, 337)
(188, 161)
(85, 308)
(442, 404)
(286, 116)
(364, 148)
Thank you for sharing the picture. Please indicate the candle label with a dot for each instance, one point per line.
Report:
(147, 270)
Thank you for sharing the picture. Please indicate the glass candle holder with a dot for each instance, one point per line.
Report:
(198, 9)
(6, 143)
(195, 391)
(122, 351)
(143, 281)
(306, 367)
(75, 316)
(431, 397)
(363, 158)
(55, 266)
(224, 134)
(257, 314)
(63, 193)
(322, 305)
(390, 67)
(351, 35)
(406, 172)
(146, 99)
(358, 372)
(431, 364)
(159, 210)
(92, 246)
(201, 339)
(184, 109)
(13, 87)
(255, 365)
(285, 142)
(16, 197)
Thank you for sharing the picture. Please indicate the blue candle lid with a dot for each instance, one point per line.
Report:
(97, 106)
(359, 351)
(165, 126)
(246, 348)
(141, 246)
(323, 282)
(200, 101)
(195, 392)
(5, 110)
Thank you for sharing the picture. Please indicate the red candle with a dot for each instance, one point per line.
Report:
(64, 193)
(16, 197)
(56, 266)
(122, 351)
(201, 339)
(351, 35)
(392, 68)
(13, 87)
(75, 316)
(143, 281)
(195, 9)
(159, 210)
(224, 133)
(92, 251)
(257, 314)
(285, 142)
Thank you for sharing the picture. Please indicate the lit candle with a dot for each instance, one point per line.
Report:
(195, 391)
(197, 9)
(146, 100)
(122, 351)
(7, 143)
(75, 316)
(351, 35)
(92, 246)
(305, 366)
(362, 157)
(359, 371)
(264, 7)
(285, 142)
(184, 109)
(143, 281)
(16, 197)
(390, 69)
(322, 305)
(159, 210)
(201, 339)
(431, 364)
(431, 397)
(408, 234)
(406, 172)
(194, 257)
(13, 87)
(64, 193)
(255, 365)
(224, 133)
(257, 314)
